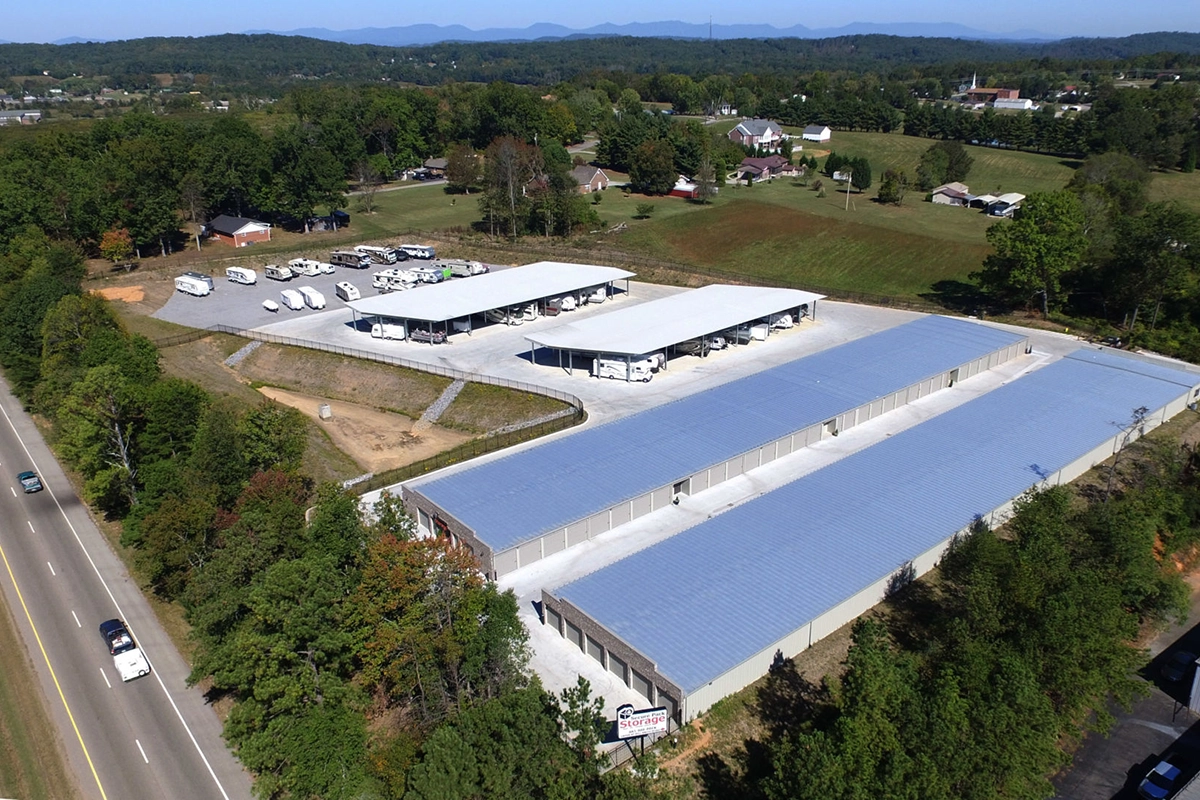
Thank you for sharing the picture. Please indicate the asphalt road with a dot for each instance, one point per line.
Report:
(150, 738)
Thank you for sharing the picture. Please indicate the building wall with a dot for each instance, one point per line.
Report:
(862, 601)
(242, 239)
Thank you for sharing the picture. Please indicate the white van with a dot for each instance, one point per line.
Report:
(385, 330)
(312, 298)
(277, 273)
(380, 255)
(241, 275)
(347, 291)
(640, 368)
(192, 286)
(292, 299)
(418, 251)
(305, 266)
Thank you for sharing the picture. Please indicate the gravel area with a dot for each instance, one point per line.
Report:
(237, 357)
(439, 406)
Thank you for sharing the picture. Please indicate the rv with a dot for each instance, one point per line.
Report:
(779, 321)
(386, 279)
(564, 303)
(346, 291)
(192, 286)
(597, 294)
(463, 269)
(506, 316)
(418, 251)
(380, 255)
(241, 275)
(639, 368)
(277, 273)
(350, 258)
(292, 299)
(428, 274)
(312, 298)
(305, 266)
(386, 330)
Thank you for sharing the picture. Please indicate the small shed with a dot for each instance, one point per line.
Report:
(817, 133)
(590, 179)
(238, 231)
(951, 194)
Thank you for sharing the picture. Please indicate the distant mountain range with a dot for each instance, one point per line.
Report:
(413, 35)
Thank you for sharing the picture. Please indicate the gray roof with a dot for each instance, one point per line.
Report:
(745, 579)
(757, 127)
(816, 128)
(227, 225)
(523, 495)
(655, 325)
(459, 298)
(584, 173)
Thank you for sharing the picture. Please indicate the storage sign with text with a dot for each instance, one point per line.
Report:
(632, 723)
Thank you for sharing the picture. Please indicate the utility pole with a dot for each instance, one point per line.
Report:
(849, 177)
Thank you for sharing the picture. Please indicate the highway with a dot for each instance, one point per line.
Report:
(150, 738)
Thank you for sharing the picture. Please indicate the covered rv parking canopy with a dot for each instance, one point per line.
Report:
(659, 324)
(460, 299)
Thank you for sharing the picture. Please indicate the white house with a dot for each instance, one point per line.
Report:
(817, 133)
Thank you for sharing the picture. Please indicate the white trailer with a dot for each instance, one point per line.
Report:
(277, 273)
(463, 269)
(386, 330)
(292, 299)
(387, 278)
(192, 286)
(305, 266)
(241, 275)
(312, 298)
(638, 368)
(346, 291)
(380, 255)
(418, 251)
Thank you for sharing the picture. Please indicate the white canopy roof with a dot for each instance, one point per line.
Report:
(1011, 198)
(652, 326)
(459, 298)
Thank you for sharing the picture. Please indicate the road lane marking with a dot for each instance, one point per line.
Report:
(76, 619)
(140, 750)
(51, 566)
(102, 675)
(62, 512)
(29, 522)
(54, 677)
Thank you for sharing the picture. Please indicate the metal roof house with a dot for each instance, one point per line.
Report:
(515, 510)
(762, 578)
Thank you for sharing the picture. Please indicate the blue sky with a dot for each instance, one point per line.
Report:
(26, 21)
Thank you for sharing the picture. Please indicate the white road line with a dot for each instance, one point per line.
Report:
(199, 750)
(51, 566)
(140, 750)
(14, 491)
(102, 675)
(30, 523)
(76, 618)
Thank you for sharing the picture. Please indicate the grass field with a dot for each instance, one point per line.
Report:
(32, 763)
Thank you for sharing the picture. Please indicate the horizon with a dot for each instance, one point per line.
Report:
(1023, 18)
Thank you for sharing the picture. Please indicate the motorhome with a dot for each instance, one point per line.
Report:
(292, 299)
(350, 258)
(505, 316)
(347, 291)
(429, 274)
(200, 276)
(380, 255)
(387, 330)
(305, 266)
(420, 251)
(241, 275)
(277, 273)
(463, 269)
(192, 286)
(639, 368)
(312, 298)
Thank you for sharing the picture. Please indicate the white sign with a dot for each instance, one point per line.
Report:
(632, 723)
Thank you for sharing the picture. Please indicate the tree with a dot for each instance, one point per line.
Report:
(272, 436)
(860, 175)
(96, 421)
(706, 181)
(116, 245)
(1042, 243)
(463, 168)
(653, 168)
(509, 165)
(1122, 179)
(1156, 256)
(893, 186)
(644, 210)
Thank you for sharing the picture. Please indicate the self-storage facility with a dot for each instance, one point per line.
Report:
(520, 508)
(786, 569)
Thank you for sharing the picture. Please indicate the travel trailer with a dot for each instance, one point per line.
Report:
(420, 251)
(292, 299)
(346, 291)
(312, 298)
(640, 368)
(192, 286)
(380, 255)
(241, 275)
(387, 330)
(277, 273)
(305, 266)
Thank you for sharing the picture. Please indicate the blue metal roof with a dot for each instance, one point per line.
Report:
(521, 496)
(751, 576)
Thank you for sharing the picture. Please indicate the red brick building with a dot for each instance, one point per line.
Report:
(238, 231)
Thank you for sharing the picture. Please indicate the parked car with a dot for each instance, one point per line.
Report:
(1178, 666)
(1161, 782)
(30, 482)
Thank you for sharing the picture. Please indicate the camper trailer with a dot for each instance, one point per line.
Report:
(596, 294)
(387, 330)
(200, 276)
(305, 266)
(429, 274)
(346, 291)
(350, 258)
(779, 321)
(463, 269)
(420, 251)
(386, 279)
(639, 368)
(564, 303)
(241, 275)
(277, 273)
(292, 299)
(505, 316)
(192, 286)
(380, 255)
(312, 298)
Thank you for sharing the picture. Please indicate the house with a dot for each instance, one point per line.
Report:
(988, 95)
(20, 117)
(1005, 205)
(817, 133)
(238, 231)
(757, 133)
(590, 179)
(436, 167)
(761, 169)
(951, 194)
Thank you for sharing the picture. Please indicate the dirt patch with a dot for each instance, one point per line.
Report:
(126, 294)
(376, 440)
